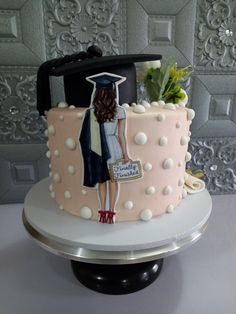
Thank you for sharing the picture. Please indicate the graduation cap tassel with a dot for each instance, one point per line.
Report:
(44, 71)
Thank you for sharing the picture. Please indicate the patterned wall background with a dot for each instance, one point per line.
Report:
(197, 32)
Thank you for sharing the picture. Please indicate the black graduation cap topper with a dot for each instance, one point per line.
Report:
(105, 80)
(76, 68)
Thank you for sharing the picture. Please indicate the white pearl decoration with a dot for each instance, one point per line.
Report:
(67, 195)
(147, 166)
(178, 125)
(61, 207)
(71, 107)
(85, 212)
(188, 156)
(150, 190)
(71, 169)
(50, 187)
(70, 143)
(184, 140)
(170, 106)
(62, 105)
(190, 114)
(50, 166)
(139, 109)
(163, 141)
(61, 117)
(51, 130)
(56, 153)
(46, 132)
(56, 177)
(128, 205)
(79, 115)
(52, 194)
(133, 104)
(125, 105)
(48, 154)
(145, 104)
(161, 117)
(140, 138)
(167, 190)
(168, 163)
(154, 104)
(146, 215)
(161, 103)
(47, 144)
(50, 174)
(84, 192)
(181, 182)
(170, 209)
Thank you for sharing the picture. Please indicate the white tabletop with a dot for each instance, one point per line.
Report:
(201, 279)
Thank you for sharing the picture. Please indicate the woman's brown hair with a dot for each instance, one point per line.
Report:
(104, 104)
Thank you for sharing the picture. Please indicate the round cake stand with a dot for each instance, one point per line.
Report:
(119, 258)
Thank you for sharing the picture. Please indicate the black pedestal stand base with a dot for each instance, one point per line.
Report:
(117, 279)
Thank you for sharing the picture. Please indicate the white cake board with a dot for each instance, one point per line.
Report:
(122, 243)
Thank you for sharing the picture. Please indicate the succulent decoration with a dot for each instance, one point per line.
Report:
(164, 81)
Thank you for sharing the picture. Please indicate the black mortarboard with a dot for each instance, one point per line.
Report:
(77, 67)
(105, 80)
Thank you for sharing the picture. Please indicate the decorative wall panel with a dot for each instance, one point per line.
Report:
(72, 26)
(216, 158)
(21, 33)
(216, 35)
(157, 26)
(21, 166)
(19, 119)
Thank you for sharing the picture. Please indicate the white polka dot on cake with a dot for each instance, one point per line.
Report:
(169, 106)
(72, 107)
(48, 154)
(170, 209)
(161, 117)
(84, 192)
(62, 105)
(184, 140)
(154, 104)
(163, 141)
(167, 190)
(147, 166)
(146, 214)
(128, 205)
(140, 138)
(145, 104)
(190, 114)
(86, 212)
(52, 194)
(181, 182)
(133, 104)
(161, 103)
(61, 117)
(178, 125)
(71, 169)
(79, 115)
(51, 130)
(70, 143)
(67, 195)
(125, 105)
(56, 177)
(150, 190)
(168, 163)
(56, 153)
(139, 109)
(188, 156)
(46, 132)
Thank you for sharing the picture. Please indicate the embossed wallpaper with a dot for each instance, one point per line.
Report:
(197, 32)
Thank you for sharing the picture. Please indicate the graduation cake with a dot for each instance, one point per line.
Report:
(111, 158)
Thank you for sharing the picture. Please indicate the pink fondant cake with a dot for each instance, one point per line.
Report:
(157, 137)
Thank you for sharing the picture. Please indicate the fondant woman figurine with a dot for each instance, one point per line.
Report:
(103, 141)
